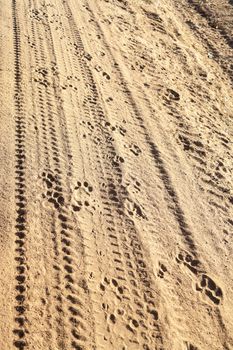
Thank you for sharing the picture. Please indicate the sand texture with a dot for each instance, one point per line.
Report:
(116, 181)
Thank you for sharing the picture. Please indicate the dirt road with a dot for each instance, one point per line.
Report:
(116, 178)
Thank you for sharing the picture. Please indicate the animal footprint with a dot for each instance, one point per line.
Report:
(81, 190)
(119, 290)
(88, 56)
(98, 68)
(109, 99)
(113, 283)
(111, 127)
(186, 142)
(54, 189)
(162, 270)
(90, 127)
(134, 185)
(211, 290)
(117, 160)
(116, 127)
(122, 130)
(38, 14)
(205, 285)
(104, 284)
(135, 150)
(190, 262)
(85, 186)
(137, 186)
(78, 206)
(106, 75)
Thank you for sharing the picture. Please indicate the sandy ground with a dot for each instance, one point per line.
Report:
(116, 175)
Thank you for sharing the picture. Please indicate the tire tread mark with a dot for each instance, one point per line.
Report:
(57, 180)
(153, 148)
(20, 193)
(113, 177)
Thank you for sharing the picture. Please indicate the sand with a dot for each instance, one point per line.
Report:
(116, 178)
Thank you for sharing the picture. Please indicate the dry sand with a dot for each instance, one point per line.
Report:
(116, 175)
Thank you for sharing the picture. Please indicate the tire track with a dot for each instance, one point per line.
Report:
(153, 149)
(189, 258)
(125, 243)
(73, 295)
(84, 277)
(30, 144)
(47, 151)
(72, 72)
(192, 263)
(21, 327)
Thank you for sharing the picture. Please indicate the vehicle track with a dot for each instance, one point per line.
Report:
(155, 154)
(113, 195)
(121, 206)
(56, 179)
(191, 261)
(20, 329)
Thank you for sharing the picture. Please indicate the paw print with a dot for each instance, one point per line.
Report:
(135, 149)
(190, 262)
(117, 160)
(162, 270)
(54, 190)
(81, 196)
(210, 289)
(85, 185)
(122, 130)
